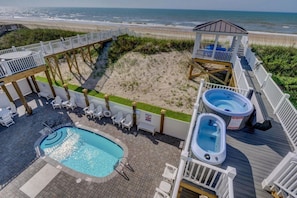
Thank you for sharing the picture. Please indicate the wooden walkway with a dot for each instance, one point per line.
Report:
(256, 153)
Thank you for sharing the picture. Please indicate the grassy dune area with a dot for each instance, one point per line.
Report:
(153, 71)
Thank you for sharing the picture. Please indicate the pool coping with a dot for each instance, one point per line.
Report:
(119, 170)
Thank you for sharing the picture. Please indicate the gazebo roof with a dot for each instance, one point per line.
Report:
(220, 27)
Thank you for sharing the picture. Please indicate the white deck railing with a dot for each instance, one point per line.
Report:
(240, 76)
(51, 47)
(211, 177)
(283, 179)
(14, 66)
(218, 55)
(282, 107)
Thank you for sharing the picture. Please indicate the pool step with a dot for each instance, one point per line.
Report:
(55, 138)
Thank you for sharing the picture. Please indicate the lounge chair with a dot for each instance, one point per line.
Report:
(160, 194)
(6, 120)
(116, 119)
(57, 102)
(71, 104)
(89, 111)
(170, 172)
(165, 187)
(127, 122)
(98, 112)
(13, 110)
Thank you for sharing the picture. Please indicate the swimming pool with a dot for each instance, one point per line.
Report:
(82, 150)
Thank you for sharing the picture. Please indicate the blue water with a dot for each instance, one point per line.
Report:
(209, 137)
(251, 21)
(82, 151)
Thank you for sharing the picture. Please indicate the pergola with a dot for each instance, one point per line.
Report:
(217, 42)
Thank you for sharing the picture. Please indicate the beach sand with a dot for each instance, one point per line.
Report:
(263, 38)
(159, 79)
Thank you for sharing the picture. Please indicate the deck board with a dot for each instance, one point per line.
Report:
(255, 155)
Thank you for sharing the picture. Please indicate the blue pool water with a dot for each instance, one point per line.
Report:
(82, 151)
(209, 138)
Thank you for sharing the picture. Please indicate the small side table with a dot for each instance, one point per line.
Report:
(107, 113)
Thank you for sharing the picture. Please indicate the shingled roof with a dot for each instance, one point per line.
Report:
(220, 26)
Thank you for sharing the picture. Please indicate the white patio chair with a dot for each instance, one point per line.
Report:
(71, 104)
(165, 187)
(89, 111)
(13, 110)
(98, 112)
(127, 122)
(6, 120)
(116, 119)
(57, 102)
(160, 194)
(170, 172)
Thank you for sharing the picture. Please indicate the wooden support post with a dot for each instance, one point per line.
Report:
(90, 55)
(58, 68)
(67, 91)
(22, 98)
(190, 72)
(75, 60)
(35, 83)
(163, 111)
(134, 113)
(29, 83)
(50, 82)
(7, 93)
(85, 91)
(106, 97)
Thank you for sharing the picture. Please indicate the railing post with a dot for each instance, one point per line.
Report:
(285, 96)
(163, 111)
(265, 80)
(14, 49)
(42, 48)
(106, 97)
(67, 91)
(7, 68)
(231, 173)
(51, 47)
(85, 91)
(134, 113)
(278, 170)
(78, 38)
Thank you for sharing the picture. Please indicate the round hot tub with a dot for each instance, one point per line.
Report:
(233, 107)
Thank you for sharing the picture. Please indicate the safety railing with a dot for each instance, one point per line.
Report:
(279, 101)
(210, 177)
(240, 76)
(18, 65)
(283, 179)
(210, 55)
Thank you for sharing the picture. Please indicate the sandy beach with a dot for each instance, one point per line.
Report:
(263, 38)
(159, 79)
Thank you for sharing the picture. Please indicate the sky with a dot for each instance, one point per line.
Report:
(246, 5)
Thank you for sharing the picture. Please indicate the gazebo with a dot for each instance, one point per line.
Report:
(217, 42)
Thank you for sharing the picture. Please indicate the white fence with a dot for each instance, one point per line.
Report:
(283, 179)
(172, 127)
(240, 76)
(210, 177)
(42, 49)
(282, 107)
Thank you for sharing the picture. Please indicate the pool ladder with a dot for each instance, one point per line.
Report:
(124, 163)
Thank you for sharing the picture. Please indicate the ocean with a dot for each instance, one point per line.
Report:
(273, 22)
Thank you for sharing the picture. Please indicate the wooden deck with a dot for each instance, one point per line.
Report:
(255, 154)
